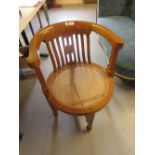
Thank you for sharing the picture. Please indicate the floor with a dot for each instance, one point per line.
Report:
(113, 128)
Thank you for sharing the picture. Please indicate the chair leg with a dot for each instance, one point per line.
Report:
(55, 111)
(90, 119)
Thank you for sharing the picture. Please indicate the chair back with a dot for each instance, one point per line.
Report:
(69, 42)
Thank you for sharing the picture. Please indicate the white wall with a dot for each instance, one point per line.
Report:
(65, 2)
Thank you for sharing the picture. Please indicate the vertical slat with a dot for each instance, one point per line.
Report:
(77, 45)
(69, 50)
(82, 46)
(60, 51)
(73, 48)
(63, 43)
(39, 20)
(88, 48)
(56, 54)
(51, 55)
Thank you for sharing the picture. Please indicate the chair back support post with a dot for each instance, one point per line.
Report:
(115, 41)
(112, 59)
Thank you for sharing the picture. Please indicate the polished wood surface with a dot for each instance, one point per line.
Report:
(76, 86)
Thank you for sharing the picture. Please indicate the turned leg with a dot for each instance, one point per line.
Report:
(89, 119)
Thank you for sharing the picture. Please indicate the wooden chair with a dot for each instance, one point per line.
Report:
(76, 85)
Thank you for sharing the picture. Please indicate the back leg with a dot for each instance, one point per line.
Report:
(89, 119)
(55, 111)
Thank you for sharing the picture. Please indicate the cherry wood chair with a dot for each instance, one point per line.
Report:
(76, 85)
